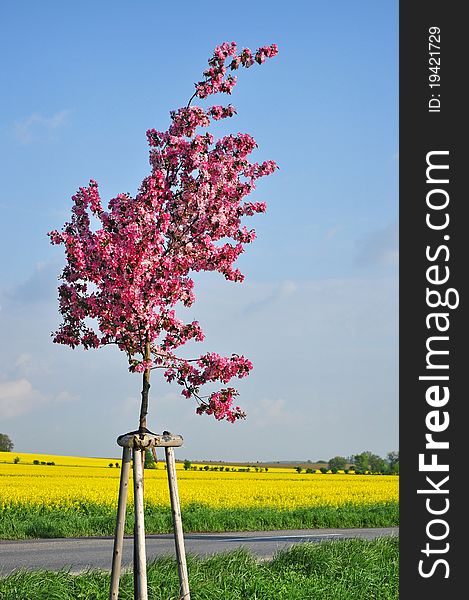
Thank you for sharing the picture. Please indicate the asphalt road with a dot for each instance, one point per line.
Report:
(81, 554)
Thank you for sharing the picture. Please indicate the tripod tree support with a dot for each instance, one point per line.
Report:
(138, 442)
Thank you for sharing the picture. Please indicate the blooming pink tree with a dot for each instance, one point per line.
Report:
(122, 280)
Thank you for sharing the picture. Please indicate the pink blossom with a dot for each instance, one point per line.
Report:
(128, 274)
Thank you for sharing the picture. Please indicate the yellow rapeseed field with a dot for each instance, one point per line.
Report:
(74, 481)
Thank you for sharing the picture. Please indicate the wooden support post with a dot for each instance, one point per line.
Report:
(178, 531)
(140, 561)
(120, 523)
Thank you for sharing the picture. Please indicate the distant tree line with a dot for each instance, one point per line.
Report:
(367, 462)
(188, 466)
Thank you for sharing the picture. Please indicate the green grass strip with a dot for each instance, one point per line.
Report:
(26, 521)
(330, 570)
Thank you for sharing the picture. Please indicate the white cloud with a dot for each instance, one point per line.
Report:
(332, 232)
(281, 290)
(40, 286)
(64, 396)
(288, 287)
(37, 126)
(29, 365)
(23, 360)
(17, 397)
(268, 412)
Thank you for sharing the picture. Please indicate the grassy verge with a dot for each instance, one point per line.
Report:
(22, 522)
(337, 570)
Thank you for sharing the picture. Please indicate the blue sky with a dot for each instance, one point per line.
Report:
(317, 313)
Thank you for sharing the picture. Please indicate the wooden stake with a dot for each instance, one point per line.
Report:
(140, 561)
(177, 520)
(120, 523)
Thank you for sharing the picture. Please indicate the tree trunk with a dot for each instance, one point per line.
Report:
(145, 389)
(142, 426)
